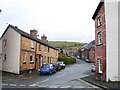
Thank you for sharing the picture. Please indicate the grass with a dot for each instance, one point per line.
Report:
(66, 44)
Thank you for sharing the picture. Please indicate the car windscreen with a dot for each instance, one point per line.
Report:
(59, 62)
(45, 66)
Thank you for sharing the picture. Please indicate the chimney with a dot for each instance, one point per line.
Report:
(44, 38)
(33, 33)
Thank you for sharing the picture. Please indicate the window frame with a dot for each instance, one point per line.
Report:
(39, 47)
(44, 59)
(24, 58)
(5, 57)
(100, 66)
(31, 61)
(5, 42)
(32, 44)
(99, 21)
(99, 38)
(45, 49)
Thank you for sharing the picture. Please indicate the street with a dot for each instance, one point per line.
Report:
(66, 78)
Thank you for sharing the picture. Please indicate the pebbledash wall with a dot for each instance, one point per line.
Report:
(12, 51)
(0, 54)
(111, 14)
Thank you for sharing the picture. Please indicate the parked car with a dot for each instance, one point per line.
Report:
(61, 63)
(87, 60)
(78, 57)
(47, 69)
(93, 68)
(57, 66)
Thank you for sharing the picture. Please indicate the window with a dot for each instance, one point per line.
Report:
(31, 59)
(24, 58)
(4, 42)
(45, 59)
(45, 49)
(99, 37)
(99, 21)
(32, 44)
(100, 65)
(4, 57)
(48, 49)
(39, 47)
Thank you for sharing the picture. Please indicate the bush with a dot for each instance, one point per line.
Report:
(67, 60)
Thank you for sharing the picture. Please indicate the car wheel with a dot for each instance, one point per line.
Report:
(50, 72)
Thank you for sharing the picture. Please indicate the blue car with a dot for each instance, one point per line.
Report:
(47, 69)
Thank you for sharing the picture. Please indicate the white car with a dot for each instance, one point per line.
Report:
(61, 64)
(93, 68)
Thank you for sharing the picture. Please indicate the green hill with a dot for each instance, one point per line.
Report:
(66, 44)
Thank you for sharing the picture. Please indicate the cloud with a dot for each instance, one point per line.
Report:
(58, 19)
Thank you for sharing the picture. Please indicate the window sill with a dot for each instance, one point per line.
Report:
(24, 62)
(100, 72)
(32, 47)
(99, 26)
(31, 62)
(99, 44)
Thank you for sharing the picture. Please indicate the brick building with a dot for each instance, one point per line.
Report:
(106, 39)
(22, 52)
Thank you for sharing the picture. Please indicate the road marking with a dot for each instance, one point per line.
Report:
(54, 86)
(60, 75)
(37, 84)
(65, 87)
(43, 86)
(4, 84)
(88, 83)
(12, 84)
(78, 87)
(44, 80)
(22, 85)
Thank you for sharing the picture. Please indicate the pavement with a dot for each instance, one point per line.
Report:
(6, 76)
(102, 84)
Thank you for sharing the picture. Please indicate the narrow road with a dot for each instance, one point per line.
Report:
(66, 78)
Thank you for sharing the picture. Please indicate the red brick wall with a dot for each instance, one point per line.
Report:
(100, 50)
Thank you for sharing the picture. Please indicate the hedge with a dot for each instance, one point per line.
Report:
(67, 60)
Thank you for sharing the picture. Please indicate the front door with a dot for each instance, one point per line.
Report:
(38, 62)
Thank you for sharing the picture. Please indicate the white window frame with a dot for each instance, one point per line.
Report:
(99, 21)
(24, 57)
(100, 66)
(45, 59)
(32, 58)
(32, 44)
(99, 38)
(5, 42)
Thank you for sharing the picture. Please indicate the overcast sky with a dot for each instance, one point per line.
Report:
(59, 20)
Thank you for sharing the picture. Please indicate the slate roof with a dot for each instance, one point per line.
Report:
(89, 45)
(97, 10)
(27, 35)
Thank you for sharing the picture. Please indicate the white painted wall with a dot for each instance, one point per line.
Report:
(0, 54)
(12, 51)
(111, 12)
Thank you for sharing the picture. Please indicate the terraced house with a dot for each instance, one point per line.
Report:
(22, 52)
(106, 40)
